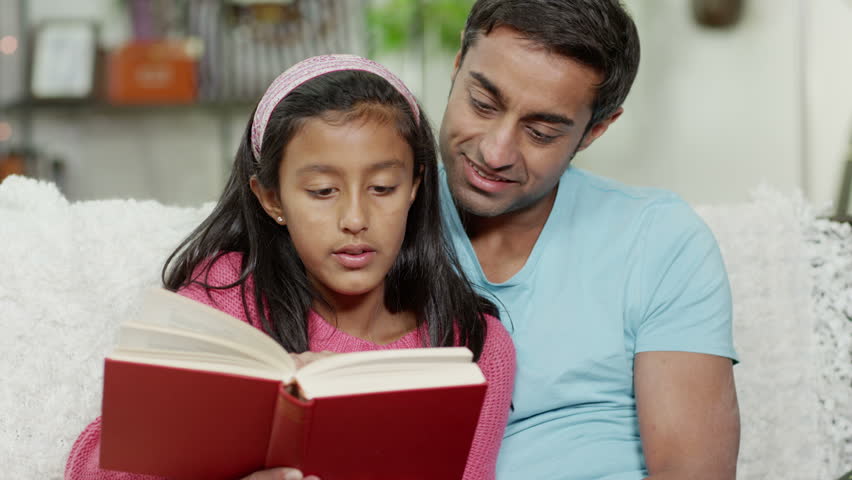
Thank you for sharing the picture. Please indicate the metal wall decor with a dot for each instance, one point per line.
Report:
(717, 13)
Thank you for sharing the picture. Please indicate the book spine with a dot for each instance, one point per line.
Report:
(290, 429)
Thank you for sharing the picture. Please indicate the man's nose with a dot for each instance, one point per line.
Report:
(353, 215)
(499, 147)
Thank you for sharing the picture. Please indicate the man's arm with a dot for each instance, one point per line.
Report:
(688, 416)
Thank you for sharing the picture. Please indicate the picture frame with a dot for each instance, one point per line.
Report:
(63, 60)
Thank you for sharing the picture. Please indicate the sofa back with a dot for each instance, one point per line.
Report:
(71, 272)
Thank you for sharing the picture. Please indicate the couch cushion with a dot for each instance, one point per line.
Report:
(70, 273)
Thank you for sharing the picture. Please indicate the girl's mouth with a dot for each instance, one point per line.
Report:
(354, 256)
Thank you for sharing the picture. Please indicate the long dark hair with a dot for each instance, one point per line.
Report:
(426, 277)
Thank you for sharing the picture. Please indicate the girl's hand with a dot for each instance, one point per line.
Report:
(305, 358)
(280, 474)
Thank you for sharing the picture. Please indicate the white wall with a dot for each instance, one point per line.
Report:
(713, 112)
(829, 95)
(173, 156)
(716, 112)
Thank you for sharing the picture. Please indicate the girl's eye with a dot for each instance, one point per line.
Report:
(540, 137)
(322, 192)
(383, 189)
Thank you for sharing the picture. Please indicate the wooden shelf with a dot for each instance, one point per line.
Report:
(94, 106)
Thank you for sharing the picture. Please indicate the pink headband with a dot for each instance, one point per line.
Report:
(311, 68)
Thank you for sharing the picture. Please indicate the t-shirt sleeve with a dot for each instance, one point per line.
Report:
(497, 363)
(685, 298)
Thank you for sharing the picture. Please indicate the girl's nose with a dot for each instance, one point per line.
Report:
(353, 218)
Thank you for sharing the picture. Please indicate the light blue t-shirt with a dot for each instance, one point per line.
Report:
(616, 271)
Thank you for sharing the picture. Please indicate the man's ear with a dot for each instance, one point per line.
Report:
(415, 186)
(457, 61)
(268, 199)
(456, 64)
(598, 129)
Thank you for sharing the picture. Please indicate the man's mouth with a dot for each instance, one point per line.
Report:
(484, 175)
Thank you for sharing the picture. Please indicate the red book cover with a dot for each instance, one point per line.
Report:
(412, 434)
(184, 424)
(191, 424)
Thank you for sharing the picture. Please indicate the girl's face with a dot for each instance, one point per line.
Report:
(344, 194)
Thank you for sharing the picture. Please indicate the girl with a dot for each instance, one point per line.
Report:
(328, 237)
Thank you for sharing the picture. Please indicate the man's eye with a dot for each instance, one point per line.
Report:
(481, 106)
(383, 189)
(540, 137)
(322, 192)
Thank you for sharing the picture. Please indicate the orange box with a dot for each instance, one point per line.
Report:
(152, 72)
(11, 164)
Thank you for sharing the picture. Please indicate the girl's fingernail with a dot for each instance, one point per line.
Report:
(293, 476)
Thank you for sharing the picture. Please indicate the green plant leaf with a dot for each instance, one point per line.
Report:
(395, 24)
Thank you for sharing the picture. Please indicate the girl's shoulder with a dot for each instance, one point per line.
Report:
(497, 338)
(209, 278)
(224, 263)
(220, 270)
(496, 327)
(497, 359)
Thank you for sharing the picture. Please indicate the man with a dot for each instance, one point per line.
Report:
(616, 297)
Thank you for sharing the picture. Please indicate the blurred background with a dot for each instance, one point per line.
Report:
(149, 98)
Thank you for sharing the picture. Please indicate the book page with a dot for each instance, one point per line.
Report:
(197, 365)
(172, 311)
(170, 343)
(388, 370)
(200, 357)
(388, 359)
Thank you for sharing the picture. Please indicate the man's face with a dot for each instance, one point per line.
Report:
(515, 117)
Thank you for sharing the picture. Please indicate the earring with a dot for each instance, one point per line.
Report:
(280, 220)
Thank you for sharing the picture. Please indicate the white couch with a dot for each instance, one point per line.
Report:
(70, 272)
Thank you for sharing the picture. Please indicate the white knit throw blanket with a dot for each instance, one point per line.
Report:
(791, 278)
(70, 272)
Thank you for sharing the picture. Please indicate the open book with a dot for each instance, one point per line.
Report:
(191, 392)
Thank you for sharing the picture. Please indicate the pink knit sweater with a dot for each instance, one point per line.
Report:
(497, 363)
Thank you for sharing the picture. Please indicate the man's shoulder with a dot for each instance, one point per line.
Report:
(608, 199)
(601, 207)
(589, 184)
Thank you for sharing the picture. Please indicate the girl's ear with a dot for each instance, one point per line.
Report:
(268, 200)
